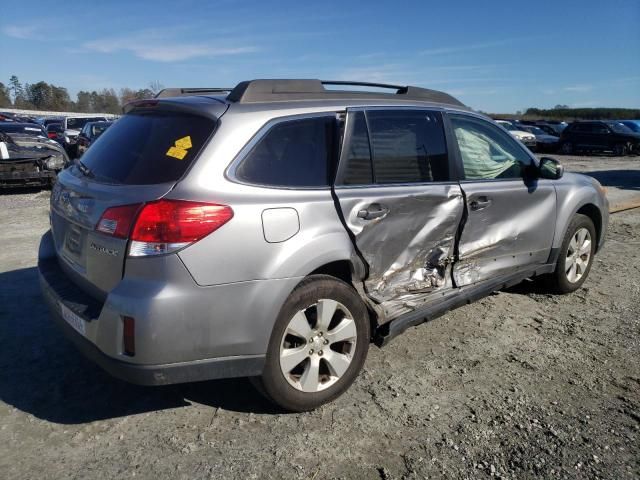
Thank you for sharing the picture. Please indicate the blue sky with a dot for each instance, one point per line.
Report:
(498, 56)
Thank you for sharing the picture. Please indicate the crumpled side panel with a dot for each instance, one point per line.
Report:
(409, 251)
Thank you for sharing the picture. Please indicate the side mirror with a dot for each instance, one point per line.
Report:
(550, 168)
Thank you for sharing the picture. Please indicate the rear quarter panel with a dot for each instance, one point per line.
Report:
(238, 251)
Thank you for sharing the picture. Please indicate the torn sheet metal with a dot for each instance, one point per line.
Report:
(409, 250)
(514, 231)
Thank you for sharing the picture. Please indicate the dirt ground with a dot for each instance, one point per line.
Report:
(519, 385)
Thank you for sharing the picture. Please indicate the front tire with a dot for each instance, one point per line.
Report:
(318, 345)
(576, 255)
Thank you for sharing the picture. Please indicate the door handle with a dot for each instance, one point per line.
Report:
(375, 210)
(480, 203)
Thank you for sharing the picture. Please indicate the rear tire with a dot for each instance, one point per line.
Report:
(576, 256)
(567, 148)
(621, 150)
(318, 345)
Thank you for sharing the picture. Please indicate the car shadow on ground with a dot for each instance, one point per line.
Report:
(44, 375)
(623, 179)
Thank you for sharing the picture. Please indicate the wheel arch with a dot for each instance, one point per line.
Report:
(593, 212)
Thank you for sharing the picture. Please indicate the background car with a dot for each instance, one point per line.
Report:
(55, 131)
(28, 160)
(544, 141)
(598, 136)
(72, 127)
(32, 135)
(525, 137)
(557, 125)
(89, 134)
(548, 129)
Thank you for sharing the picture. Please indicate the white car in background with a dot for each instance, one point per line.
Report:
(527, 138)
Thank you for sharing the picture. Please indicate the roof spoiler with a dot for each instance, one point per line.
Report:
(180, 92)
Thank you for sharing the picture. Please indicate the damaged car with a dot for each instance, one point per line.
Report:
(28, 157)
(275, 230)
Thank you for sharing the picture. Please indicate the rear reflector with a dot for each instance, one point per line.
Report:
(129, 335)
(163, 226)
(117, 221)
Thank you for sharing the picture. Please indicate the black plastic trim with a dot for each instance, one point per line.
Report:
(454, 299)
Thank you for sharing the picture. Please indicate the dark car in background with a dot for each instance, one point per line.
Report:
(599, 136)
(544, 141)
(90, 134)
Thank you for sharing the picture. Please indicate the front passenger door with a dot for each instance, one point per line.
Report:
(510, 216)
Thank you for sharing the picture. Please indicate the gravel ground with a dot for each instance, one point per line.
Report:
(519, 385)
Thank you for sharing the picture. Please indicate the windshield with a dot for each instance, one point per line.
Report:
(633, 126)
(620, 128)
(144, 148)
(535, 130)
(98, 128)
(79, 123)
(508, 126)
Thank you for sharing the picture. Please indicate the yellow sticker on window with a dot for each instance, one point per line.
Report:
(176, 152)
(184, 143)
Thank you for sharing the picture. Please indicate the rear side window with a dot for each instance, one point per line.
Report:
(295, 153)
(148, 147)
(408, 146)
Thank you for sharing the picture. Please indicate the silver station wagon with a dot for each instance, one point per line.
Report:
(275, 230)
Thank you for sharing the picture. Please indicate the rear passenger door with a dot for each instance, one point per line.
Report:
(510, 219)
(401, 202)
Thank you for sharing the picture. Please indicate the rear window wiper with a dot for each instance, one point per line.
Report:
(86, 171)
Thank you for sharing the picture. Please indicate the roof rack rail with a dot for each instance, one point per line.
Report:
(275, 90)
(178, 92)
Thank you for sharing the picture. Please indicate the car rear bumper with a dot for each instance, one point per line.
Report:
(183, 333)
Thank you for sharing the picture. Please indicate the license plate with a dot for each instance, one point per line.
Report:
(73, 319)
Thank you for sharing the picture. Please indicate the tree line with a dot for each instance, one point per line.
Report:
(46, 96)
(563, 112)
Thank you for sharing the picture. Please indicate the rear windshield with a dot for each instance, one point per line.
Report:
(145, 148)
(79, 123)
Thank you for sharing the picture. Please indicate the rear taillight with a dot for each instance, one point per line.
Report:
(163, 226)
(52, 135)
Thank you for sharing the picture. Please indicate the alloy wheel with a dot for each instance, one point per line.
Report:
(318, 346)
(578, 255)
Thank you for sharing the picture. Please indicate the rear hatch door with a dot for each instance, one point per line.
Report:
(138, 159)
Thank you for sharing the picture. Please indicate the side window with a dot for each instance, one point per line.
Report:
(295, 153)
(408, 146)
(600, 128)
(487, 152)
(356, 154)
